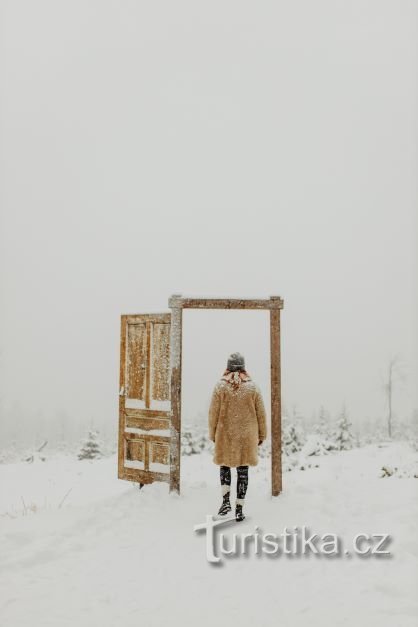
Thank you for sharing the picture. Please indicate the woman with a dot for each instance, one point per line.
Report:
(237, 425)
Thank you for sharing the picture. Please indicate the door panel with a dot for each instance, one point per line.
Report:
(136, 361)
(144, 398)
(135, 454)
(160, 388)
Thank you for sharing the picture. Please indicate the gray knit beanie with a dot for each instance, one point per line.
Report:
(236, 361)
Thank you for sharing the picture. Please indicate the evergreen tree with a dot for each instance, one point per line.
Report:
(319, 442)
(292, 436)
(343, 438)
(194, 439)
(187, 444)
(322, 426)
(90, 448)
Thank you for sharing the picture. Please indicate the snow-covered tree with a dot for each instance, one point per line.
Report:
(90, 448)
(343, 438)
(194, 439)
(322, 426)
(317, 445)
(188, 444)
(319, 442)
(293, 437)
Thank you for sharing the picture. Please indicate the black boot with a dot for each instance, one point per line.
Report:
(226, 505)
(239, 514)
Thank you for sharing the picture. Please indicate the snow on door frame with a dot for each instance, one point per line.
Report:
(274, 304)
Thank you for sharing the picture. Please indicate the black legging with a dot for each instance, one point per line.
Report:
(242, 479)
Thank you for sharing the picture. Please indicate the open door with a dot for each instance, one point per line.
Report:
(144, 398)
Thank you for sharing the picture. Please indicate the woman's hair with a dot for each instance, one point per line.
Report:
(236, 377)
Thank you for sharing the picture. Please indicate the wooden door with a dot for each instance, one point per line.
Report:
(144, 398)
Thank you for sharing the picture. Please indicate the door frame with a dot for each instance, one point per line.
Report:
(274, 304)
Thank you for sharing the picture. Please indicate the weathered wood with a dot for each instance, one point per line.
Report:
(230, 303)
(145, 476)
(136, 364)
(160, 370)
(146, 451)
(157, 317)
(136, 356)
(148, 367)
(145, 437)
(175, 365)
(122, 368)
(159, 451)
(134, 418)
(135, 448)
(276, 422)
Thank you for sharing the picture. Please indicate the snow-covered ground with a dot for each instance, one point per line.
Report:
(79, 547)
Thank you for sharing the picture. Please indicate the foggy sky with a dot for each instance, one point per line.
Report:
(221, 149)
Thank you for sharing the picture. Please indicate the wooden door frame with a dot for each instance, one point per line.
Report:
(274, 304)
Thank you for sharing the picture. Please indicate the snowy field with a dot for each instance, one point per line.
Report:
(79, 547)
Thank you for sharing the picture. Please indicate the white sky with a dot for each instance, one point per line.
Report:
(223, 148)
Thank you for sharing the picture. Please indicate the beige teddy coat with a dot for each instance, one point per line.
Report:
(237, 422)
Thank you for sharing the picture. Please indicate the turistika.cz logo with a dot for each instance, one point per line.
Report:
(298, 541)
